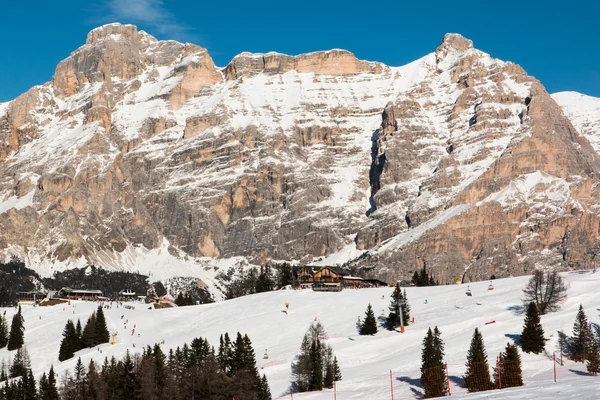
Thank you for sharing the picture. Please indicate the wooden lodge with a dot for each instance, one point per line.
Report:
(319, 278)
(79, 294)
(30, 297)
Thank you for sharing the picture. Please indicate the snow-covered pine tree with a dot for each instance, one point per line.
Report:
(582, 338)
(532, 337)
(477, 377)
(369, 326)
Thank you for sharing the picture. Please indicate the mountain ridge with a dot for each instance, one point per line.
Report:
(139, 146)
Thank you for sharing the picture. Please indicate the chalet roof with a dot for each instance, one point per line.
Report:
(316, 268)
(356, 278)
(82, 291)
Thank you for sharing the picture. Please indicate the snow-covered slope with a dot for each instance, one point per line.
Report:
(584, 113)
(365, 361)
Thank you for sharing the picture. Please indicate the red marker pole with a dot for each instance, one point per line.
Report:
(554, 357)
(334, 391)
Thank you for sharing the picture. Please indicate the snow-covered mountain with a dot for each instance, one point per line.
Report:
(142, 154)
(584, 113)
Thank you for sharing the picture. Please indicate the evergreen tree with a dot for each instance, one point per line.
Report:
(225, 355)
(52, 392)
(433, 376)
(43, 386)
(3, 372)
(265, 391)
(78, 381)
(316, 381)
(88, 335)
(93, 384)
(21, 363)
(415, 278)
(284, 276)
(337, 373)
(582, 338)
(68, 345)
(127, 383)
(264, 282)
(101, 334)
(29, 388)
(532, 337)
(423, 277)
(79, 334)
(405, 308)
(17, 329)
(593, 364)
(477, 376)
(3, 333)
(510, 368)
(369, 326)
(301, 369)
(393, 319)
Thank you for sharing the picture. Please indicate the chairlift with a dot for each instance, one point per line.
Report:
(468, 292)
(491, 287)
(265, 356)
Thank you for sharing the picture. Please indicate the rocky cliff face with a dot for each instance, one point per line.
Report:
(139, 149)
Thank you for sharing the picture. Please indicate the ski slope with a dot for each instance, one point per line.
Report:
(365, 362)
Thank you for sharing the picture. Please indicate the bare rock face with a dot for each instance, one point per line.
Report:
(143, 148)
(334, 62)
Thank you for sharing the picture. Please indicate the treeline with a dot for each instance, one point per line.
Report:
(317, 367)
(193, 371)
(245, 281)
(15, 277)
(75, 338)
(422, 278)
(90, 277)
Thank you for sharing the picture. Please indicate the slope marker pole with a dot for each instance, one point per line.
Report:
(554, 358)
(391, 385)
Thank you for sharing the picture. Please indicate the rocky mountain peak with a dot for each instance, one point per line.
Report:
(452, 45)
(115, 31)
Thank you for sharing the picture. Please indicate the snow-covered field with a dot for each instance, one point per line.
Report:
(365, 361)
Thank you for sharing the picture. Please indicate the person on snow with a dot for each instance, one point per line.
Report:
(287, 305)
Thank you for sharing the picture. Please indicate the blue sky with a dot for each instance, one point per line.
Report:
(557, 42)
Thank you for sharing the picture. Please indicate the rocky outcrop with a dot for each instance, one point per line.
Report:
(333, 62)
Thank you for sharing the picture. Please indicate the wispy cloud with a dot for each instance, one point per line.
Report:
(150, 13)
